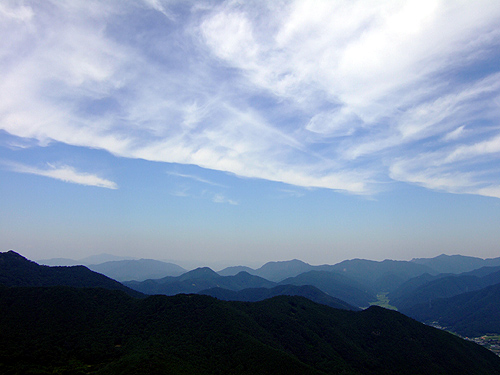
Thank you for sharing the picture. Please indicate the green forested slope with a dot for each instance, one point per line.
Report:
(98, 331)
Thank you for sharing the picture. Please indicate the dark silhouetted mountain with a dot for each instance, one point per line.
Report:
(383, 276)
(15, 270)
(259, 294)
(469, 314)
(140, 269)
(456, 263)
(443, 287)
(97, 331)
(197, 280)
(335, 285)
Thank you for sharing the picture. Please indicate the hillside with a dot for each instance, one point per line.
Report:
(335, 285)
(259, 294)
(98, 331)
(469, 314)
(443, 287)
(15, 270)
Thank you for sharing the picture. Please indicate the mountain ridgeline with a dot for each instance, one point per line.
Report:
(258, 294)
(16, 270)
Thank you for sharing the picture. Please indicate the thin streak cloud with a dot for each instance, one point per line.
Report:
(195, 178)
(63, 173)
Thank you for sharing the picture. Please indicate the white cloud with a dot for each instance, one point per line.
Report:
(63, 173)
(455, 134)
(219, 198)
(324, 94)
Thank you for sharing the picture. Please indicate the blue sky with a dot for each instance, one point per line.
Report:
(229, 132)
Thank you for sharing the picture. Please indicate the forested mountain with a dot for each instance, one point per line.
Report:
(197, 280)
(381, 276)
(259, 294)
(384, 276)
(98, 331)
(15, 270)
(443, 287)
(273, 271)
(456, 263)
(137, 269)
(469, 314)
(335, 285)
(414, 283)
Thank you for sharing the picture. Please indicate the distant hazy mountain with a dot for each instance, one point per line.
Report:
(469, 314)
(234, 270)
(381, 276)
(456, 263)
(335, 285)
(197, 280)
(483, 271)
(73, 331)
(407, 288)
(273, 271)
(277, 271)
(59, 262)
(15, 270)
(443, 287)
(384, 276)
(259, 294)
(413, 284)
(140, 269)
(93, 259)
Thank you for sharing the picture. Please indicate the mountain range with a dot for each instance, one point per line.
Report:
(427, 288)
(197, 280)
(429, 297)
(137, 269)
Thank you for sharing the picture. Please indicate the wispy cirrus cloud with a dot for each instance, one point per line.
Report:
(195, 178)
(339, 95)
(63, 173)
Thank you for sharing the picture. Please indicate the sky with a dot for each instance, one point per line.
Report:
(241, 132)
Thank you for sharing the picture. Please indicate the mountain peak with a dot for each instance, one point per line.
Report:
(200, 273)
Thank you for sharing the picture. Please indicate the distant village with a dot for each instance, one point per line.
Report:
(490, 341)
